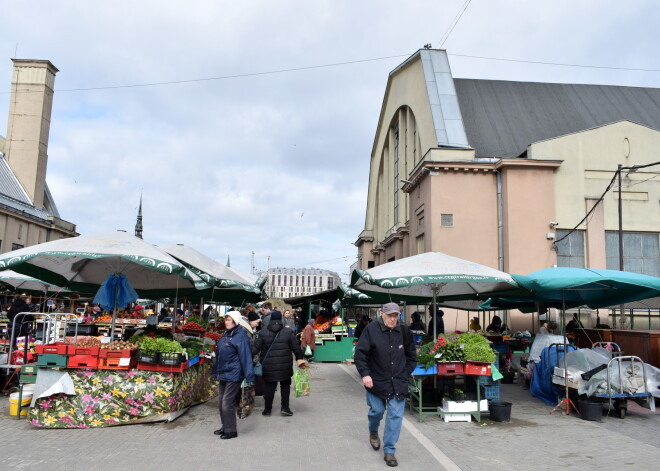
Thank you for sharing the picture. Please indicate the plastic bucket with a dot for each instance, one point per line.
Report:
(13, 404)
(500, 411)
(590, 410)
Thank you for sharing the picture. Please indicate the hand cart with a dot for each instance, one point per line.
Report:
(619, 399)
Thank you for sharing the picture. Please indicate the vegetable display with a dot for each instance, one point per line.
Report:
(193, 326)
(154, 345)
(89, 342)
(119, 345)
(212, 335)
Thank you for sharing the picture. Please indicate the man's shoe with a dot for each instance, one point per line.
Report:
(266, 413)
(286, 412)
(390, 460)
(374, 440)
(219, 432)
(227, 436)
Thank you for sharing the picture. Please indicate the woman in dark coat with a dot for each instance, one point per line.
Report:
(233, 364)
(278, 363)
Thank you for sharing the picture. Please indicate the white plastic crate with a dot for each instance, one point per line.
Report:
(465, 406)
(455, 417)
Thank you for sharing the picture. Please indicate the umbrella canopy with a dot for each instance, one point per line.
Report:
(422, 276)
(587, 286)
(227, 284)
(82, 264)
(28, 284)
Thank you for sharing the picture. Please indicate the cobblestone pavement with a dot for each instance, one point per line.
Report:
(328, 432)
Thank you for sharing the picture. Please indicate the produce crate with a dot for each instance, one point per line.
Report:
(87, 351)
(193, 361)
(202, 360)
(171, 358)
(477, 368)
(107, 353)
(173, 368)
(52, 360)
(143, 357)
(58, 348)
(492, 392)
(30, 369)
(502, 348)
(27, 379)
(83, 361)
(450, 367)
(122, 363)
(147, 366)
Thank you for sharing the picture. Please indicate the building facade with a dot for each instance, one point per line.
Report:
(503, 173)
(291, 282)
(28, 214)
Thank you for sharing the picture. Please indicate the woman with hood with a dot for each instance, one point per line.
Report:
(233, 364)
(276, 346)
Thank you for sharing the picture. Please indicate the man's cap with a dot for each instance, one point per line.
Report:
(253, 316)
(275, 316)
(390, 308)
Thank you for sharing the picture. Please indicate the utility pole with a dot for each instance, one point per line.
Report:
(622, 318)
(252, 268)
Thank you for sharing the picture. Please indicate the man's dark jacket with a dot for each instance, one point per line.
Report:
(279, 363)
(388, 356)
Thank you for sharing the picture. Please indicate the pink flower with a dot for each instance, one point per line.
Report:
(108, 380)
(149, 397)
(131, 373)
(130, 401)
(87, 398)
(151, 379)
(89, 410)
(172, 401)
(111, 420)
(45, 405)
(106, 397)
(96, 400)
(133, 411)
(35, 422)
(83, 426)
(88, 373)
(66, 419)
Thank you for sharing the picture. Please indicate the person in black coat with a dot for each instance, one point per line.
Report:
(20, 326)
(277, 363)
(437, 319)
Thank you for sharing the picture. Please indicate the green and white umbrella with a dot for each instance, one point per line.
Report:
(432, 277)
(228, 284)
(83, 263)
(28, 284)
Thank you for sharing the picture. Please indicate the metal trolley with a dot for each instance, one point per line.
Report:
(619, 399)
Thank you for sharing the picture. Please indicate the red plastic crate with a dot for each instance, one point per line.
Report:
(106, 353)
(173, 369)
(114, 363)
(450, 368)
(477, 368)
(83, 361)
(89, 351)
(59, 348)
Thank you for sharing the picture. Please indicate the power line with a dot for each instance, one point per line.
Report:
(336, 64)
(457, 18)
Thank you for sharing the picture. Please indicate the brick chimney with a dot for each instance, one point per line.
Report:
(26, 147)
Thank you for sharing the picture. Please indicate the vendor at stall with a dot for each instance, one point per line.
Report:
(496, 325)
(474, 324)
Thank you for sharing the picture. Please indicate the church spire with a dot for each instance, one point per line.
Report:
(228, 262)
(138, 224)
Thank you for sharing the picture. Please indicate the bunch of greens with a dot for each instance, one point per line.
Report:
(193, 347)
(152, 345)
(469, 339)
(479, 352)
(451, 352)
(424, 355)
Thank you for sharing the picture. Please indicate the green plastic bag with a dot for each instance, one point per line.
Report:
(301, 383)
(495, 373)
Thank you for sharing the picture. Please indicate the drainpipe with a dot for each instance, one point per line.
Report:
(500, 223)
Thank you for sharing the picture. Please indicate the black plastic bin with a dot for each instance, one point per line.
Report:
(500, 411)
(591, 410)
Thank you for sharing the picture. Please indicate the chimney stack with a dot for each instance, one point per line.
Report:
(26, 146)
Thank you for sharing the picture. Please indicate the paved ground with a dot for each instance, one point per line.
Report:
(328, 432)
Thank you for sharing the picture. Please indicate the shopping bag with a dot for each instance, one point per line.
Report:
(301, 382)
(258, 369)
(308, 351)
(245, 400)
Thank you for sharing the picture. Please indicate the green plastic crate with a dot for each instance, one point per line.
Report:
(52, 360)
(30, 369)
(28, 379)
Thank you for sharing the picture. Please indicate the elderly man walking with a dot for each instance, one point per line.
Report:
(385, 358)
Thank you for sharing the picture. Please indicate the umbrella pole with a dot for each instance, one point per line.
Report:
(566, 401)
(114, 315)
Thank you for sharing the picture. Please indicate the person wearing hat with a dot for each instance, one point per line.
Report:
(437, 320)
(233, 364)
(385, 358)
(276, 345)
(474, 324)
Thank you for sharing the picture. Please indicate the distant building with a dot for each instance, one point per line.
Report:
(290, 282)
(28, 214)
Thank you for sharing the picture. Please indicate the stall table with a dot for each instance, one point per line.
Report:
(116, 397)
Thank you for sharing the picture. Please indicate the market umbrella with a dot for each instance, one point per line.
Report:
(433, 276)
(227, 284)
(27, 284)
(83, 263)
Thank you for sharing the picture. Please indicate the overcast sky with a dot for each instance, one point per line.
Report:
(275, 163)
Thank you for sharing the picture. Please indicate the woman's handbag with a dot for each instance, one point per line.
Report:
(258, 367)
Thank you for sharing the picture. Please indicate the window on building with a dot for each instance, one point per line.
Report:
(414, 142)
(447, 220)
(331, 282)
(0, 246)
(570, 251)
(279, 279)
(16, 246)
(641, 252)
(396, 174)
(371, 264)
(420, 244)
(272, 282)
